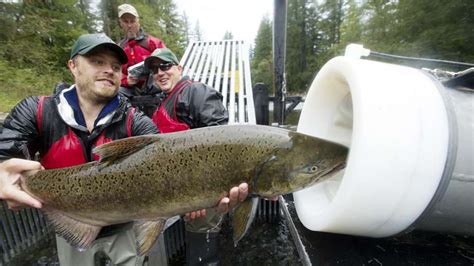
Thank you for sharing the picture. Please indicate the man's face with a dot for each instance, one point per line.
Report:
(165, 74)
(130, 25)
(97, 75)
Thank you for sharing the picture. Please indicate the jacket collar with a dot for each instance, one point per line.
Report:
(71, 113)
(140, 36)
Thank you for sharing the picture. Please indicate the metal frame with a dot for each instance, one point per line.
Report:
(225, 66)
(20, 231)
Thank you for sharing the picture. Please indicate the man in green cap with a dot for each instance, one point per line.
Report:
(187, 105)
(65, 127)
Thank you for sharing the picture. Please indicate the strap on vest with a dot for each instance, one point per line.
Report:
(143, 43)
(129, 121)
(40, 112)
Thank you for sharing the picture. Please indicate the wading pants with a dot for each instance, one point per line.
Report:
(119, 248)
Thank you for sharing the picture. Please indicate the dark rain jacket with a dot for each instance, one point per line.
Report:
(48, 125)
(198, 105)
(146, 99)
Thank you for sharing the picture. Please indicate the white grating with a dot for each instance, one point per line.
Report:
(225, 66)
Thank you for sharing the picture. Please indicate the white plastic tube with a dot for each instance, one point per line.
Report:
(394, 120)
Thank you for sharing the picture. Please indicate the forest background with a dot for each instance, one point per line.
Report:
(37, 36)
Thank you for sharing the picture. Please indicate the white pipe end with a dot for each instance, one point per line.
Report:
(395, 123)
(356, 51)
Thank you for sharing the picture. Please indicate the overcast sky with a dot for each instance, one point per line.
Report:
(241, 17)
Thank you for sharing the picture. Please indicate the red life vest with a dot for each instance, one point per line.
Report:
(166, 122)
(67, 150)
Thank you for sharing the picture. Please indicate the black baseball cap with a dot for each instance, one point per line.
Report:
(87, 42)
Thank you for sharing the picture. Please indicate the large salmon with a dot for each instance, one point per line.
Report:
(147, 179)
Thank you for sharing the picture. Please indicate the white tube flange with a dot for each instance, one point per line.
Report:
(394, 120)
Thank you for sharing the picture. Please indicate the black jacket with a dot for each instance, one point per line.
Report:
(21, 137)
(199, 106)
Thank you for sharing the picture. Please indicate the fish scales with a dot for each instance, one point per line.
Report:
(159, 176)
(161, 173)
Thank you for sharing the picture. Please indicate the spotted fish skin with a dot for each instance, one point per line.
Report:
(152, 177)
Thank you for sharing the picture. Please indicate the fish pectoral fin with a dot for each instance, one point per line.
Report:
(146, 233)
(80, 235)
(243, 216)
(120, 148)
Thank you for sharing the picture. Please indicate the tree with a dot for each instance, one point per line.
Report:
(51, 26)
(197, 33)
(109, 16)
(162, 16)
(262, 62)
(186, 28)
(351, 28)
(228, 35)
(380, 31)
(36, 44)
(446, 33)
(303, 38)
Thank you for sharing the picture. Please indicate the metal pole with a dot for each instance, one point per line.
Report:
(279, 52)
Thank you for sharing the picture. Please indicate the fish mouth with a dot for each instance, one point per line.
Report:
(337, 168)
(330, 172)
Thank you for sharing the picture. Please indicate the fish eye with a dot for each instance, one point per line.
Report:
(313, 168)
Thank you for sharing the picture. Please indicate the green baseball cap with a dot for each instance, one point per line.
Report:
(87, 42)
(164, 54)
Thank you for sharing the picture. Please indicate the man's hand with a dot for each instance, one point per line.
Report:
(10, 190)
(236, 195)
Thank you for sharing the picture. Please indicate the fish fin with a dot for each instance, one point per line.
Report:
(80, 235)
(243, 216)
(114, 150)
(146, 233)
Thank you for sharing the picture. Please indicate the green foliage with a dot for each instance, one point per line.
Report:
(36, 46)
(351, 27)
(37, 37)
(304, 37)
(109, 17)
(158, 18)
(320, 30)
(197, 32)
(262, 62)
(17, 84)
(43, 33)
(445, 32)
(228, 35)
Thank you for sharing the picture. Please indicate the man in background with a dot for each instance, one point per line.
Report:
(138, 45)
(186, 105)
(65, 128)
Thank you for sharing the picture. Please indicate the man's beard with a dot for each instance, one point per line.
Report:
(131, 34)
(90, 91)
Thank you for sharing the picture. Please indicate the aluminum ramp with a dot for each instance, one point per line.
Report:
(225, 66)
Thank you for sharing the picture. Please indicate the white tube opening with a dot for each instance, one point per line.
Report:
(394, 121)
